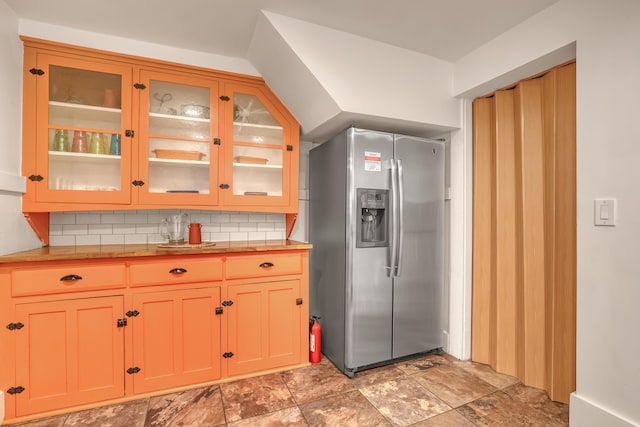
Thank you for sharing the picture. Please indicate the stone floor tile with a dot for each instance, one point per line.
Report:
(449, 419)
(289, 417)
(487, 374)
(376, 375)
(190, 408)
(255, 396)
(500, 409)
(316, 381)
(45, 422)
(347, 409)
(421, 364)
(404, 401)
(127, 414)
(539, 399)
(454, 385)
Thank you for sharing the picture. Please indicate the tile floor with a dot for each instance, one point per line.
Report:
(427, 391)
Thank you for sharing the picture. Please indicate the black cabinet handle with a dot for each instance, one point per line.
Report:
(266, 264)
(70, 278)
(177, 271)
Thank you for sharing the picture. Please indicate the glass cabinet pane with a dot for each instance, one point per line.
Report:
(257, 171)
(252, 121)
(179, 138)
(84, 130)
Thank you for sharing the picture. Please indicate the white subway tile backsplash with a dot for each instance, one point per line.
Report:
(143, 226)
(74, 229)
(100, 229)
(238, 237)
(112, 239)
(112, 218)
(87, 218)
(55, 229)
(62, 240)
(89, 239)
(137, 239)
(62, 218)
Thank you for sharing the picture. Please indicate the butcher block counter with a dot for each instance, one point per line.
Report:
(86, 326)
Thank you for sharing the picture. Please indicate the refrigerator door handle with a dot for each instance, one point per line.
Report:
(400, 227)
(393, 251)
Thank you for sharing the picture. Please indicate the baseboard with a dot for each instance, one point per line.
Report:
(584, 413)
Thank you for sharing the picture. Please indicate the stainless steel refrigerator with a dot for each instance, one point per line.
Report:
(376, 223)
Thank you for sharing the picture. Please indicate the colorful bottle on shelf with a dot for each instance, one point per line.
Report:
(79, 142)
(114, 148)
(61, 140)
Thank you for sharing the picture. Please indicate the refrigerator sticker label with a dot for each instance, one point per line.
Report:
(372, 161)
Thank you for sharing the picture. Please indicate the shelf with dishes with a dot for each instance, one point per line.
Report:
(71, 156)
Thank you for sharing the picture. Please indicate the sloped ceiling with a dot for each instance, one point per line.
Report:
(332, 79)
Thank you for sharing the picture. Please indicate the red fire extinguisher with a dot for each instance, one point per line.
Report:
(315, 333)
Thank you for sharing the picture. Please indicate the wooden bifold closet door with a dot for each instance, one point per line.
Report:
(524, 231)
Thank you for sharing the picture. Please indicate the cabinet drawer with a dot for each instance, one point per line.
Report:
(71, 278)
(263, 265)
(175, 271)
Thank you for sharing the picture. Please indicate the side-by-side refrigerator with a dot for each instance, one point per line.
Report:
(376, 220)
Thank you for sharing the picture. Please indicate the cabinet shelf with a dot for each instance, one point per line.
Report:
(257, 126)
(83, 107)
(179, 118)
(257, 166)
(178, 162)
(65, 155)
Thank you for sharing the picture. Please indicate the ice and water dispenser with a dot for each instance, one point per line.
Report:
(373, 215)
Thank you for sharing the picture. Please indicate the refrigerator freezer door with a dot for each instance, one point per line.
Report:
(369, 287)
(418, 289)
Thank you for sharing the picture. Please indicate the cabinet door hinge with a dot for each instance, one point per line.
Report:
(219, 310)
(289, 147)
(36, 71)
(133, 313)
(139, 86)
(133, 370)
(36, 178)
(224, 186)
(224, 98)
(15, 390)
(298, 301)
(216, 141)
(129, 133)
(227, 303)
(122, 323)
(227, 355)
(137, 183)
(14, 326)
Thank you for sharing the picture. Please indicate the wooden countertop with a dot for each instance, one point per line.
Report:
(59, 253)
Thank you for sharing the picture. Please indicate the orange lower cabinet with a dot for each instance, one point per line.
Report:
(69, 352)
(263, 326)
(176, 338)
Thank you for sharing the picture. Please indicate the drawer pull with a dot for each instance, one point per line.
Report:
(266, 264)
(178, 271)
(70, 278)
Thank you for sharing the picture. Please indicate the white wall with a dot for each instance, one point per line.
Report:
(15, 233)
(606, 36)
(134, 47)
(330, 72)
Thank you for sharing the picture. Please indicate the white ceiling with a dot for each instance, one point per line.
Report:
(446, 29)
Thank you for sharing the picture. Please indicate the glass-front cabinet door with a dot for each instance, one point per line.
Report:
(178, 140)
(83, 153)
(257, 162)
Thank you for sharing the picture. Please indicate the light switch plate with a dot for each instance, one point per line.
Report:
(605, 212)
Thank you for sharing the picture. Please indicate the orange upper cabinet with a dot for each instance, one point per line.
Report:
(104, 131)
(80, 151)
(260, 150)
(179, 140)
